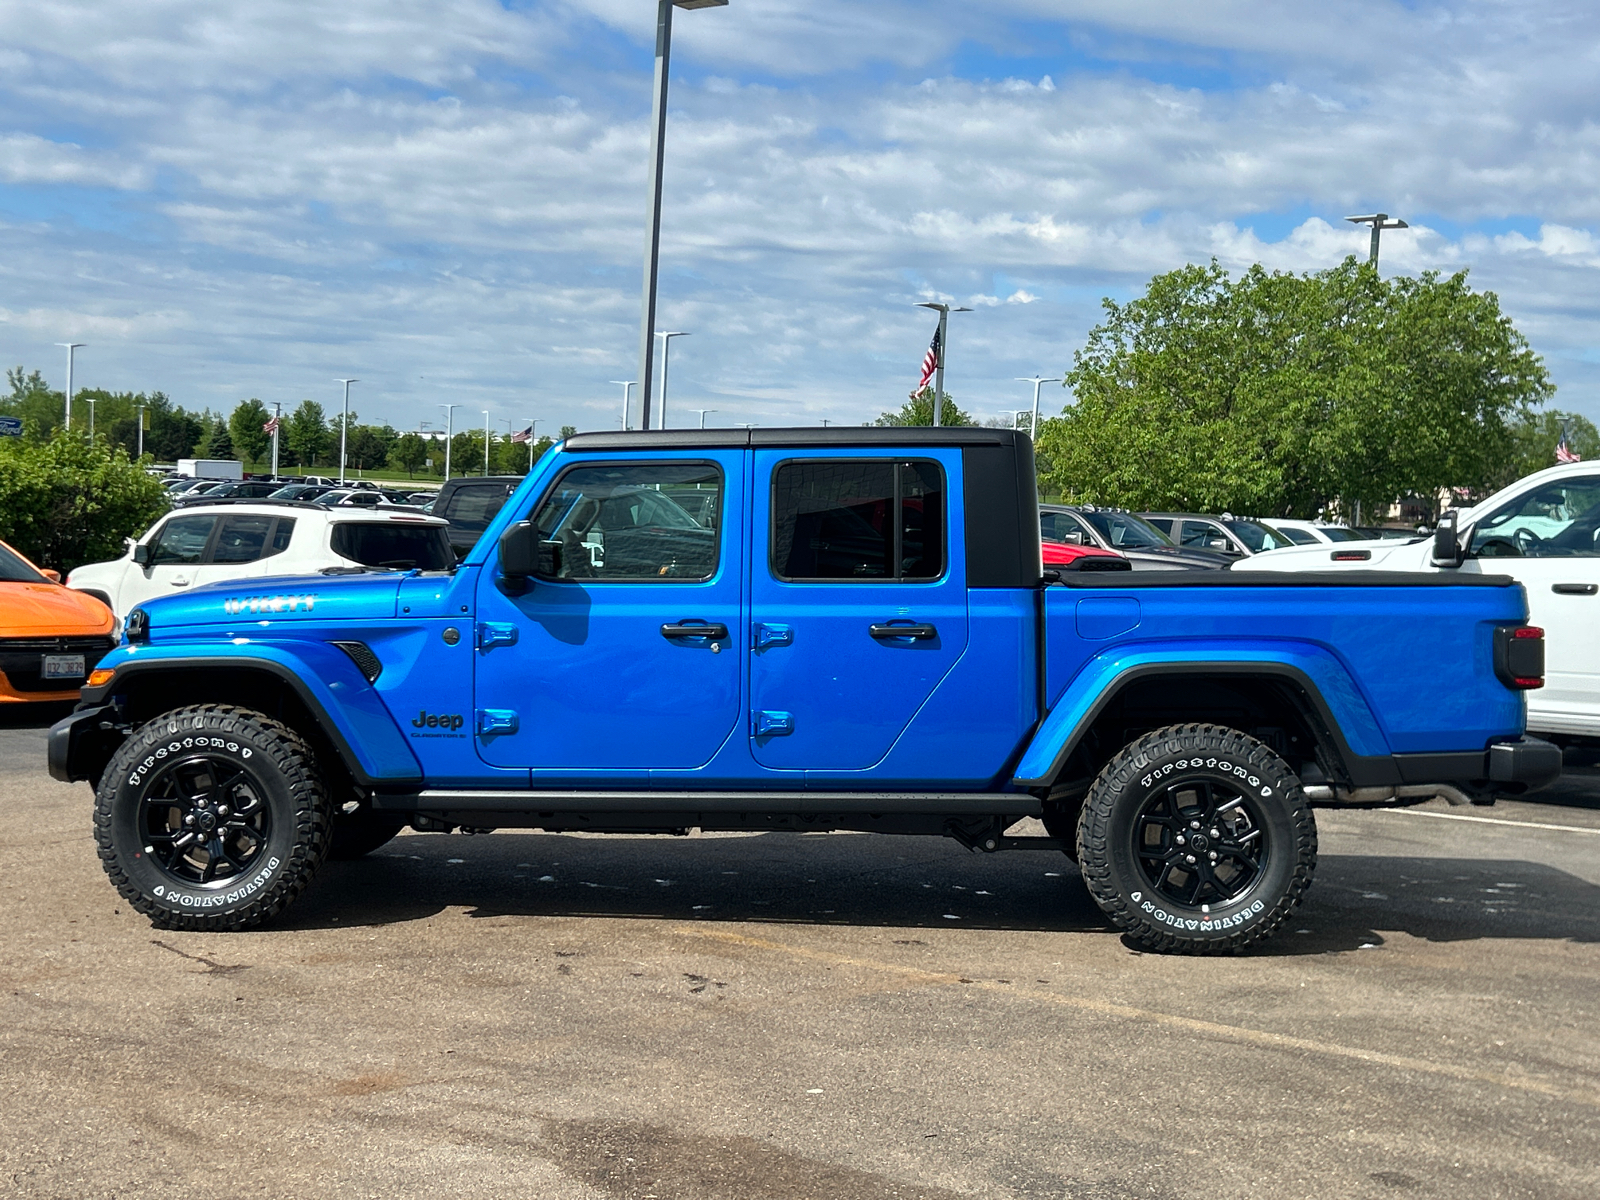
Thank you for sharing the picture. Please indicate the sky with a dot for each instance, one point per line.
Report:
(446, 198)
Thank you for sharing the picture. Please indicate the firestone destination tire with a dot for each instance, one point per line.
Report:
(1197, 839)
(211, 818)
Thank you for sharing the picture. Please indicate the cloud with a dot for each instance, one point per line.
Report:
(448, 199)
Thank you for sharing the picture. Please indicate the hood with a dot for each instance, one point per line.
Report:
(50, 610)
(1180, 556)
(254, 603)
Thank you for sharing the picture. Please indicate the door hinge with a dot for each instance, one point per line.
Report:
(496, 720)
(773, 724)
(773, 635)
(494, 633)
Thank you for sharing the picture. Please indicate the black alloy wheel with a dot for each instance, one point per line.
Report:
(1196, 839)
(211, 817)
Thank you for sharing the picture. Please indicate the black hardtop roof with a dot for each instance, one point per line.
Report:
(835, 437)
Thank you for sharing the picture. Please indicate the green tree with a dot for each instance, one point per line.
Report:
(368, 446)
(918, 410)
(1288, 395)
(244, 425)
(409, 453)
(306, 431)
(219, 442)
(567, 431)
(32, 399)
(66, 501)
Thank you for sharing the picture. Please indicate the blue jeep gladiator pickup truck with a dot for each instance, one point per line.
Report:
(805, 629)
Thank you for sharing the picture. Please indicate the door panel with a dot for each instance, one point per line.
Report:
(848, 550)
(177, 556)
(596, 666)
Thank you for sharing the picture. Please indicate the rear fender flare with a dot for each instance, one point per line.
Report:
(1348, 728)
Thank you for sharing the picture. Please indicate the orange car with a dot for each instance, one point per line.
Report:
(50, 637)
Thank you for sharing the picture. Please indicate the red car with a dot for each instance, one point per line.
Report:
(1062, 556)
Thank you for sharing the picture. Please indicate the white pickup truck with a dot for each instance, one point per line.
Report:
(1543, 531)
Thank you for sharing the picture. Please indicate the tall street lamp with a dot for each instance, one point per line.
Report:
(1037, 381)
(344, 423)
(944, 311)
(627, 389)
(703, 412)
(449, 425)
(1379, 222)
(90, 403)
(658, 135)
(533, 429)
(143, 408)
(486, 443)
(70, 347)
(666, 347)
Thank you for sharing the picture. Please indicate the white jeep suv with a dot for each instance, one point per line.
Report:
(208, 543)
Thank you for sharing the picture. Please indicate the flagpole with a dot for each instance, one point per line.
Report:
(277, 412)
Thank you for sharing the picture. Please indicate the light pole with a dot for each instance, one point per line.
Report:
(90, 403)
(70, 346)
(1379, 222)
(344, 423)
(658, 136)
(944, 311)
(1016, 419)
(627, 390)
(666, 347)
(703, 412)
(449, 425)
(1037, 381)
(277, 419)
(143, 407)
(486, 443)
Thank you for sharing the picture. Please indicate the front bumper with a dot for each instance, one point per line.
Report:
(80, 745)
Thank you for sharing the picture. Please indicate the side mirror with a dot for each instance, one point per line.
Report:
(1447, 550)
(141, 554)
(52, 576)
(522, 553)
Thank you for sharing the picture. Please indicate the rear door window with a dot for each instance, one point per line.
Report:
(182, 540)
(242, 538)
(858, 519)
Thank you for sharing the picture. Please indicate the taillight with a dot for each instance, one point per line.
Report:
(1519, 656)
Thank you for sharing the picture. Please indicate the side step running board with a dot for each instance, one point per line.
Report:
(645, 800)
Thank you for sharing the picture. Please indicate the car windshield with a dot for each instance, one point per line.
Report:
(1124, 531)
(1338, 533)
(1257, 536)
(15, 569)
(394, 546)
(329, 499)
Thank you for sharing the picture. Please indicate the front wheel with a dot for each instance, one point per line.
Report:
(1197, 838)
(211, 817)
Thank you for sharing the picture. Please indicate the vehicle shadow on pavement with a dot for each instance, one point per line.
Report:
(803, 879)
(34, 716)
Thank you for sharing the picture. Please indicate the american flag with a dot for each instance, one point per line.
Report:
(1565, 453)
(930, 361)
(272, 425)
(523, 435)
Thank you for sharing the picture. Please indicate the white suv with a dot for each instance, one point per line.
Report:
(208, 543)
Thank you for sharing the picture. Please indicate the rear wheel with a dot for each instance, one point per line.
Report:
(211, 817)
(1197, 838)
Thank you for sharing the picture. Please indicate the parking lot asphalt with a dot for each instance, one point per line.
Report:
(833, 1016)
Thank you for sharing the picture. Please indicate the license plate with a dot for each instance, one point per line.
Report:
(63, 666)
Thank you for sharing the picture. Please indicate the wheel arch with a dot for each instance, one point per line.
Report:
(1278, 703)
(144, 690)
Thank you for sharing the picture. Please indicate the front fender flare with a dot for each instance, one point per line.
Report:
(347, 709)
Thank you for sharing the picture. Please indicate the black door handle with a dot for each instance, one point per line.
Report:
(1575, 589)
(903, 631)
(716, 631)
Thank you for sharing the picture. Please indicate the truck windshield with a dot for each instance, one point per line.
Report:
(392, 546)
(1257, 536)
(14, 570)
(1124, 531)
